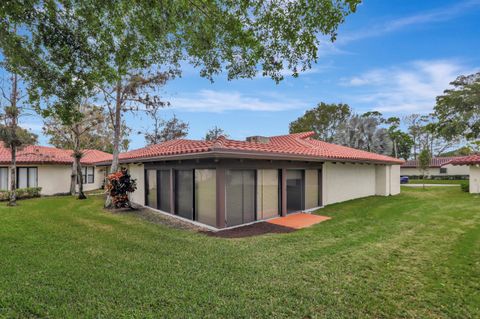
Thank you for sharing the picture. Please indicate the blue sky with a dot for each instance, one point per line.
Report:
(394, 56)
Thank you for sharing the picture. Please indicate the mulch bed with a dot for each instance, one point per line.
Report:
(256, 229)
(158, 218)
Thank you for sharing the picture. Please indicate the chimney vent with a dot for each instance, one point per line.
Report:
(258, 139)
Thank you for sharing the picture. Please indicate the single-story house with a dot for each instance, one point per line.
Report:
(225, 183)
(439, 168)
(473, 164)
(50, 168)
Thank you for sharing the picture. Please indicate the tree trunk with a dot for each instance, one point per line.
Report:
(73, 178)
(12, 201)
(395, 148)
(13, 148)
(116, 136)
(117, 127)
(414, 148)
(77, 155)
(81, 195)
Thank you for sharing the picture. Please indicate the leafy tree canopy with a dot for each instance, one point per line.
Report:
(214, 133)
(68, 46)
(458, 109)
(324, 120)
(173, 129)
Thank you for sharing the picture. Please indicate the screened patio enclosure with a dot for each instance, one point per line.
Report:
(228, 192)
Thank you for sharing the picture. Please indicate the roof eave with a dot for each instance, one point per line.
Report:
(223, 153)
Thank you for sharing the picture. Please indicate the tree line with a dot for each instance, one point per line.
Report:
(453, 128)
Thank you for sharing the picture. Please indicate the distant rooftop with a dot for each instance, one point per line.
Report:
(35, 154)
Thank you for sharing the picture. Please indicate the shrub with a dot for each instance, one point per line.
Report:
(465, 186)
(22, 193)
(119, 184)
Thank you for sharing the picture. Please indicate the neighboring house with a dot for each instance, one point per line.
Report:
(473, 164)
(438, 168)
(50, 168)
(225, 183)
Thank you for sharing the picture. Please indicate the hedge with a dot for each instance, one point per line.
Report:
(465, 186)
(439, 177)
(22, 193)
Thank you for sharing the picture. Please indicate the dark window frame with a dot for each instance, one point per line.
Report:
(443, 170)
(29, 168)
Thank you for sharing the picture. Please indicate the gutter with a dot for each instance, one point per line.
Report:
(223, 153)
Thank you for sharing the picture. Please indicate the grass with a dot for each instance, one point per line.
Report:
(416, 255)
(437, 181)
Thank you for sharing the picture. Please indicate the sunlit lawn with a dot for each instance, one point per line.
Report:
(413, 255)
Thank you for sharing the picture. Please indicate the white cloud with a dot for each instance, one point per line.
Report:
(408, 88)
(436, 15)
(221, 101)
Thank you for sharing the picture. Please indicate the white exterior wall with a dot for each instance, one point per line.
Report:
(99, 177)
(382, 180)
(137, 171)
(342, 182)
(394, 179)
(451, 170)
(54, 179)
(475, 179)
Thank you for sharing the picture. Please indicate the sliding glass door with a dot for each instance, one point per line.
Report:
(184, 190)
(152, 188)
(164, 190)
(240, 197)
(295, 190)
(206, 196)
(267, 193)
(158, 189)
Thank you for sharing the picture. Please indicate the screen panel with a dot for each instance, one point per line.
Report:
(184, 193)
(311, 188)
(152, 188)
(22, 177)
(206, 196)
(267, 193)
(164, 190)
(240, 196)
(4, 178)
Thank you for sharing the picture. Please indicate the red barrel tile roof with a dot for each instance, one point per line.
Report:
(434, 162)
(466, 160)
(35, 154)
(300, 144)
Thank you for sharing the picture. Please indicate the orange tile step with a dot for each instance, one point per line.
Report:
(299, 220)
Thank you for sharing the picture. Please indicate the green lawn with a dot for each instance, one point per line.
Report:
(416, 255)
(437, 181)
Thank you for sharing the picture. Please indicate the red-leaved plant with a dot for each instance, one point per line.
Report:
(119, 184)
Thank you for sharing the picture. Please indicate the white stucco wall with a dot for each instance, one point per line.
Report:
(382, 180)
(451, 170)
(394, 179)
(137, 171)
(99, 177)
(343, 182)
(54, 179)
(474, 179)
